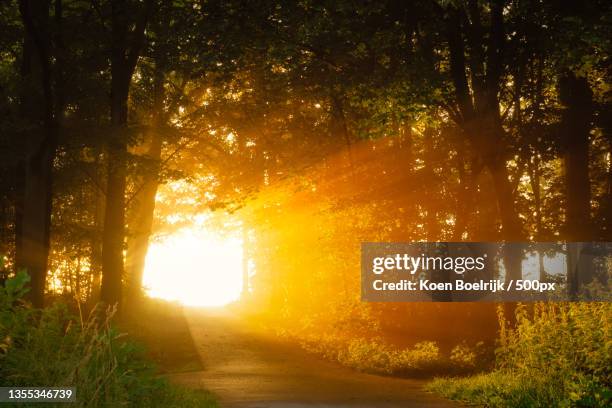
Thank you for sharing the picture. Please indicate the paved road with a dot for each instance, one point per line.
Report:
(246, 369)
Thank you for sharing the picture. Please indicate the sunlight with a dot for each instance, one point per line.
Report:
(195, 268)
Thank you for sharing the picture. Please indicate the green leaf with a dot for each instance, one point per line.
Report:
(16, 286)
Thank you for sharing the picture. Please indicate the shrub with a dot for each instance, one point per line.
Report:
(557, 355)
(375, 356)
(52, 347)
(367, 355)
(464, 357)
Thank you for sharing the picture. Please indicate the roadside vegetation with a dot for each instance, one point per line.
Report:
(379, 357)
(354, 338)
(557, 355)
(54, 347)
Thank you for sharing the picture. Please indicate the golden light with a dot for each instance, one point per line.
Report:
(195, 267)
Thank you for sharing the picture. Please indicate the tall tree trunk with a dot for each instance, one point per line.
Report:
(511, 224)
(467, 172)
(124, 55)
(95, 243)
(534, 180)
(27, 108)
(433, 228)
(113, 234)
(18, 204)
(576, 123)
(139, 244)
(37, 218)
(33, 242)
(605, 123)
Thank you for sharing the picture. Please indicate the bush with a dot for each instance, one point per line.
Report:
(52, 347)
(558, 355)
(375, 356)
(367, 355)
(466, 358)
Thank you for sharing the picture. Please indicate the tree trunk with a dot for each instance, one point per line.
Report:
(124, 55)
(534, 180)
(511, 224)
(113, 234)
(605, 123)
(37, 219)
(139, 244)
(430, 201)
(576, 122)
(467, 172)
(33, 241)
(96, 241)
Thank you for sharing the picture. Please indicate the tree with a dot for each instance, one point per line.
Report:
(43, 106)
(575, 126)
(128, 25)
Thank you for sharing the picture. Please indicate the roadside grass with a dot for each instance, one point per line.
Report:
(350, 335)
(53, 347)
(496, 389)
(375, 356)
(557, 355)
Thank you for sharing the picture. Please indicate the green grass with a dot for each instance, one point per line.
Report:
(375, 356)
(498, 389)
(53, 347)
(557, 355)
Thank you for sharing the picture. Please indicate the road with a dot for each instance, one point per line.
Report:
(246, 369)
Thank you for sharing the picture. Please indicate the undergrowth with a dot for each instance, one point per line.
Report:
(53, 347)
(353, 338)
(373, 355)
(557, 355)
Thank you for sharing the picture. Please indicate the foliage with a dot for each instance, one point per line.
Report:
(53, 347)
(558, 355)
(375, 355)
(464, 356)
(344, 122)
(497, 389)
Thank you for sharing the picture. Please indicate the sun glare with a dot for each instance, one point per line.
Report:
(195, 267)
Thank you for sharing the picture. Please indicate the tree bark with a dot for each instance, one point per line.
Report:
(576, 122)
(139, 244)
(33, 240)
(511, 224)
(124, 55)
(434, 229)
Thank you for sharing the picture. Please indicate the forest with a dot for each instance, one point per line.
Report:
(301, 129)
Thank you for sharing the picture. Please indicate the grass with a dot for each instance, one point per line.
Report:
(53, 347)
(349, 334)
(557, 355)
(496, 389)
(376, 356)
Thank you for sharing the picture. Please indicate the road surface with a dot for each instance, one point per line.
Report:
(246, 369)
